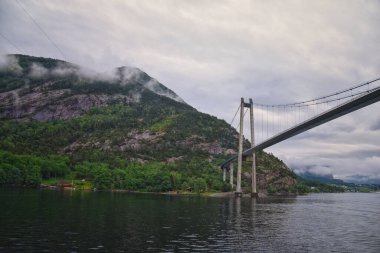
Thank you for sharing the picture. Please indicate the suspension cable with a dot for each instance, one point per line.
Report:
(327, 96)
(235, 115)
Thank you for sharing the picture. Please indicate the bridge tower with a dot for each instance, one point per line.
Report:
(253, 171)
(239, 192)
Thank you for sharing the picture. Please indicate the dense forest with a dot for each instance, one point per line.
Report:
(30, 170)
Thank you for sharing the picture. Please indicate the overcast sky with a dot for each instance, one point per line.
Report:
(211, 53)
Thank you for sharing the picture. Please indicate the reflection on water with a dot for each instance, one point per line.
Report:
(51, 221)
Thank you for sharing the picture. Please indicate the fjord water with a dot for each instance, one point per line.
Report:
(75, 221)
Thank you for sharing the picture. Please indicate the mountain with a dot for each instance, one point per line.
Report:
(35, 88)
(327, 183)
(360, 179)
(327, 179)
(121, 129)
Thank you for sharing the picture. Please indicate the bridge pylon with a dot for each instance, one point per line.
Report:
(239, 192)
(254, 193)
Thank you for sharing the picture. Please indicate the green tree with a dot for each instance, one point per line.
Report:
(118, 178)
(198, 185)
(175, 179)
(3, 176)
(103, 178)
(14, 176)
(32, 176)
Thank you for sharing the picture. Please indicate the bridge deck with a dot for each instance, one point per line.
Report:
(371, 97)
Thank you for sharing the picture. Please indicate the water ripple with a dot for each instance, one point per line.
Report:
(95, 222)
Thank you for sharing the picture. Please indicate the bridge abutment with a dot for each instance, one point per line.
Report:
(232, 175)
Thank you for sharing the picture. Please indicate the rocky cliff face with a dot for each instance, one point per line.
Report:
(44, 105)
(276, 180)
(272, 175)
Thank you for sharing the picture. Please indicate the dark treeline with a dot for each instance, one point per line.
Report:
(30, 170)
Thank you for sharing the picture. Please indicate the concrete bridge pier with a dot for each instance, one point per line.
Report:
(232, 175)
(224, 174)
(254, 193)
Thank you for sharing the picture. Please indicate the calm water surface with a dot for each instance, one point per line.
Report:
(55, 221)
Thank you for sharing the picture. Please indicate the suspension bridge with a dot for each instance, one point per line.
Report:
(271, 124)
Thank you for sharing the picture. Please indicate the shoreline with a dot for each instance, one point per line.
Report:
(213, 194)
(178, 193)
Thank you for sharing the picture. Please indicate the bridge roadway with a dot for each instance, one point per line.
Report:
(368, 98)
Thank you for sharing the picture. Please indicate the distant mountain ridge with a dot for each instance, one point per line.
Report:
(324, 181)
(327, 179)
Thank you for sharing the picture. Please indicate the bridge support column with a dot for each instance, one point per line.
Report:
(232, 175)
(224, 174)
(254, 193)
(238, 192)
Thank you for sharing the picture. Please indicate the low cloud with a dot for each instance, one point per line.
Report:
(10, 63)
(38, 71)
(155, 86)
(126, 74)
(314, 169)
(63, 70)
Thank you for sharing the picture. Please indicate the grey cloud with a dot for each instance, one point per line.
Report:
(376, 126)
